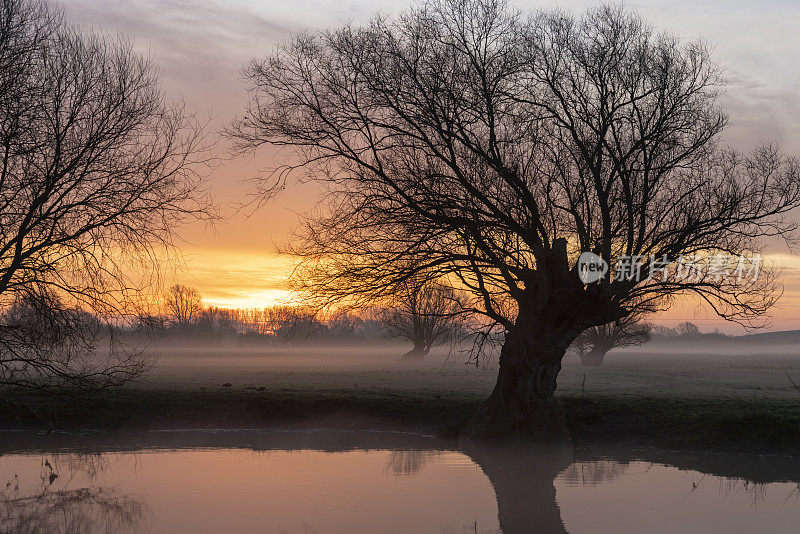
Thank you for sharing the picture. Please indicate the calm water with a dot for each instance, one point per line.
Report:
(326, 482)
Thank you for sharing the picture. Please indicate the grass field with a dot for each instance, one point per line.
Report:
(720, 400)
(659, 370)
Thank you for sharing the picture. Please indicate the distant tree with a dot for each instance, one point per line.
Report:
(684, 329)
(426, 313)
(225, 321)
(687, 329)
(207, 319)
(150, 325)
(183, 304)
(289, 323)
(343, 324)
(593, 343)
(371, 323)
(662, 331)
(494, 149)
(96, 172)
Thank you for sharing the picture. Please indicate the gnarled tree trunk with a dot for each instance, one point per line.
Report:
(419, 351)
(523, 402)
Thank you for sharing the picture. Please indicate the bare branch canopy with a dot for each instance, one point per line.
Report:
(493, 148)
(97, 171)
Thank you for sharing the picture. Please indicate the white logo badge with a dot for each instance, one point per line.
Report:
(591, 267)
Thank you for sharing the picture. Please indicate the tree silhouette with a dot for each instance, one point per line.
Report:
(184, 305)
(523, 475)
(464, 139)
(594, 343)
(426, 313)
(97, 170)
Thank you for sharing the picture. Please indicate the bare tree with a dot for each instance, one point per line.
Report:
(343, 324)
(290, 323)
(183, 304)
(493, 149)
(684, 329)
(49, 346)
(594, 343)
(424, 312)
(687, 329)
(96, 172)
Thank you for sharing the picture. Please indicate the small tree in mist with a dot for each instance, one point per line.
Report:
(426, 313)
(493, 149)
(594, 343)
(687, 329)
(184, 305)
(96, 172)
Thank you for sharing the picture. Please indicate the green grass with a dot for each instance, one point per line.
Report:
(716, 423)
(719, 424)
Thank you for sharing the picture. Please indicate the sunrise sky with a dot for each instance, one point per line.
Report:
(202, 45)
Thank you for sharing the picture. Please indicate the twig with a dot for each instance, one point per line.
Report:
(794, 384)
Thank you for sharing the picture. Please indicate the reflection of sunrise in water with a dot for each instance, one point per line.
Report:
(420, 491)
(290, 491)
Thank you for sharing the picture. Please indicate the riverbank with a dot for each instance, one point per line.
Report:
(718, 424)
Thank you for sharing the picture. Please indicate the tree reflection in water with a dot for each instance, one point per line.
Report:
(592, 473)
(522, 475)
(68, 492)
(408, 462)
(45, 509)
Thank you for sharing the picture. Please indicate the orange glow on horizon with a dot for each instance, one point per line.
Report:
(238, 279)
(257, 279)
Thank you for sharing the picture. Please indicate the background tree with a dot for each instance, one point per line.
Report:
(183, 304)
(343, 324)
(424, 312)
(687, 329)
(594, 343)
(464, 139)
(290, 323)
(97, 170)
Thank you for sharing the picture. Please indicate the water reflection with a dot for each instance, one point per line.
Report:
(408, 462)
(522, 476)
(43, 507)
(594, 472)
(372, 482)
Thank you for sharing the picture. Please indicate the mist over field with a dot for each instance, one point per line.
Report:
(727, 367)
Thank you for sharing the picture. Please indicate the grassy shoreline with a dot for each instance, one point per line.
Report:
(769, 426)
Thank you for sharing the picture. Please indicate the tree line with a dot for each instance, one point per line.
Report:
(416, 315)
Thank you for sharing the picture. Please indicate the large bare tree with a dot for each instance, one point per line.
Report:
(493, 148)
(97, 170)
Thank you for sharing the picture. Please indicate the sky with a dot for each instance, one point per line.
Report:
(201, 47)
